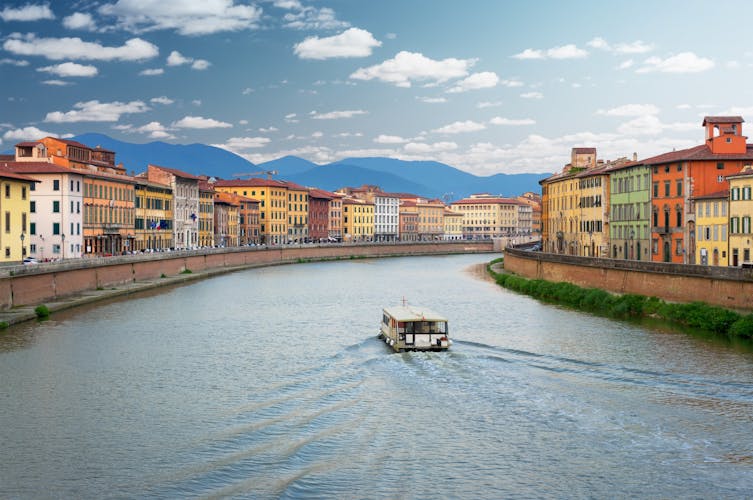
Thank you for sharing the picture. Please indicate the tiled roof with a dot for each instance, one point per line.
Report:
(71, 143)
(27, 144)
(9, 173)
(320, 193)
(253, 182)
(697, 153)
(722, 119)
(712, 196)
(294, 186)
(176, 172)
(487, 201)
(38, 167)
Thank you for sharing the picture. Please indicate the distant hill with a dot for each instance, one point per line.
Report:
(425, 178)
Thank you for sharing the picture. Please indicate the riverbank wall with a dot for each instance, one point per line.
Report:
(727, 287)
(37, 284)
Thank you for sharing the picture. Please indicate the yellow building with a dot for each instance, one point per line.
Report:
(206, 213)
(486, 216)
(226, 210)
(740, 213)
(453, 225)
(298, 213)
(153, 212)
(358, 220)
(592, 218)
(273, 206)
(711, 218)
(430, 219)
(15, 206)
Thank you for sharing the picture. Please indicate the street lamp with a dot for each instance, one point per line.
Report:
(23, 248)
(62, 236)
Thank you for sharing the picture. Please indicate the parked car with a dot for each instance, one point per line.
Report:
(30, 261)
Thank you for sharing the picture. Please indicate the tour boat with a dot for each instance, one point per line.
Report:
(412, 328)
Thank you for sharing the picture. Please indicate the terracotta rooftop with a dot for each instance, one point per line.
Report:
(10, 173)
(253, 182)
(176, 172)
(701, 152)
(713, 196)
(488, 201)
(722, 119)
(38, 167)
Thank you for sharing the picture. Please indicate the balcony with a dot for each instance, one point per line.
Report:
(663, 230)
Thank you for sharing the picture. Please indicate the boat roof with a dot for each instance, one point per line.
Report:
(413, 313)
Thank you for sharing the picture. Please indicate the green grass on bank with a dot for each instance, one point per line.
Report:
(694, 314)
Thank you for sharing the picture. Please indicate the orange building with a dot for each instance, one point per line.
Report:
(680, 177)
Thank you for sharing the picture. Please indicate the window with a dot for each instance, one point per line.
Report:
(23, 192)
(33, 208)
(679, 167)
(666, 188)
(678, 247)
(56, 185)
(679, 188)
(655, 245)
(734, 225)
(7, 190)
(720, 165)
(56, 206)
(746, 224)
(735, 194)
(33, 228)
(679, 218)
(746, 193)
(7, 222)
(55, 228)
(656, 189)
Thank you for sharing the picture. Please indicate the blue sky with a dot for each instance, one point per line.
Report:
(486, 86)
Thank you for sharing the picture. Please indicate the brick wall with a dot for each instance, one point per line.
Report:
(723, 286)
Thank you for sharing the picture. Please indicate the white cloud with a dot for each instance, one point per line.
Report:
(80, 21)
(569, 51)
(155, 130)
(187, 18)
(684, 62)
(529, 54)
(291, 118)
(288, 4)
(200, 64)
(651, 125)
(177, 59)
(532, 95)
(424, 148)
(406, 67)
(28, 12)
(488, 104)
(70, 69)
(266, 130)
(311, 18)
(349, 134)
(199, 122)
(247, 90)
(353, 42)
(26, 134)
(460, 127)
(636, 47)
(236, 144)
(390, 139)
(336, 115)
(14, 62)
(95, 111)
(152, 72)
(483, 80)
(390, 36)
(497, 120)
(625, 64)
(432, 100)
(134, 49)
(161, 100)
(630, 110)
(57, 83)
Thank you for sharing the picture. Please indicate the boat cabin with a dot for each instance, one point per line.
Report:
(412, 328)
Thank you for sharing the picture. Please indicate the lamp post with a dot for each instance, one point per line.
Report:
(23, 248)
(62, 237)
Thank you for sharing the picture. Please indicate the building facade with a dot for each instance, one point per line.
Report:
(740, 213)
(153, 218)
(185, 188)
(711, 218)
(630, 211)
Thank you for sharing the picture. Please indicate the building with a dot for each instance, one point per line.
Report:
(534, 201)
(226, 207)
(592, 217)
(740, 212)
(453, 225)
(15, 207)
(630, 211)
(386, 210)
(298, 213)
(679, 177)
(711, 218)
(56, 206)
(185, 189)
(430, 219)
(273, 205)
(248, 221)
(319, 211)
(408, 220)
(358, 220)
(336, 217)
(486, 216)
(206, 212)
(153, 216)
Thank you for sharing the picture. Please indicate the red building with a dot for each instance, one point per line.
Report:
(679, 177)
(319, 205)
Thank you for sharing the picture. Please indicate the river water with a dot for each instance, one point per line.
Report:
(270, 383)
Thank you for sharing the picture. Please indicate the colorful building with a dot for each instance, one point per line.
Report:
(319, 209)
(711, 218)
(206, 212)
(15, 207)
(226, 207)
(298, 213)
(740, 213)
(153, 216)
(453, 225)
(185, 188)
(408, 220)
(358, 220)
(486, 216)
(630, 211)
(273, 204)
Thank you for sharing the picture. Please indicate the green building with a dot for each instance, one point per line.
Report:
(630, 211)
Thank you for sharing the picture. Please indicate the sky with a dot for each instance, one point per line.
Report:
(487, 86)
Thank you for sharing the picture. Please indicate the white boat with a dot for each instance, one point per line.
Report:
(413, 328)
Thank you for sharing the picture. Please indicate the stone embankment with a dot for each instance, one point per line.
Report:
(727, 287)
(71, 283)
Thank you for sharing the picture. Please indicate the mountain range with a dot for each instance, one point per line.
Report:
(425, 178)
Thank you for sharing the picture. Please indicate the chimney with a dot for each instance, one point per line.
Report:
(635, 156)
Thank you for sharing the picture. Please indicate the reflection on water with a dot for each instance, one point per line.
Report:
(271, 383)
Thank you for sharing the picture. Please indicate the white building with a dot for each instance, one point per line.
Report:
(185, 203)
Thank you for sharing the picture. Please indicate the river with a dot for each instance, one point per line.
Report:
(271, 383)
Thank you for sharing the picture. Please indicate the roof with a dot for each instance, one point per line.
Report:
(69, 142)
(27, 144)
(176, 172)
(746, 171)
(488, 201)
(294, 186)
(8, 173)
(413, 313)
(38, 167)
(581, 151)
(253, 182)
(697, 153)
(722, 119)
(713, 196)
(320, 193)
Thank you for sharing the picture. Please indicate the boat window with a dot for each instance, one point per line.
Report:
(409, 327)
(385, 319)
